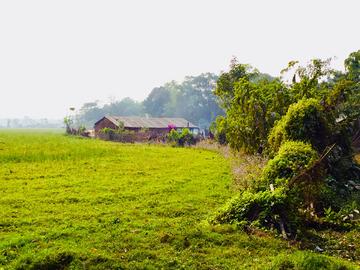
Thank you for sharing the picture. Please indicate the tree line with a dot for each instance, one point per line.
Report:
(193, 100)
(27, 122)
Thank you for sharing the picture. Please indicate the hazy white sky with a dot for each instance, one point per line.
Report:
(60, 54)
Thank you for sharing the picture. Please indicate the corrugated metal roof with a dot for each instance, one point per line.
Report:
(139, 122)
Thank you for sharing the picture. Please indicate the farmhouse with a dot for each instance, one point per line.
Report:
(156, 125)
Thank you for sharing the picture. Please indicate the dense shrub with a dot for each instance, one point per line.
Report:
(249, 207)
(304, 121)
(304, 129)
(186, 137)
(180, 139)
(291, 159)
(286, 206)
(109, 131)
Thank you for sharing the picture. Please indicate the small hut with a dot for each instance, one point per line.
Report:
(156, 125)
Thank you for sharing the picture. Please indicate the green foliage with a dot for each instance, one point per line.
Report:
(343, 101)
(181, 138)
(253, 107)
(173, 135)
(121, 127)
(345, 218)
(248, 207)
(304, 121)
(291, 159)
(310, 79)
(68, 121)
(186, 137)
(281, 205)
(192, 100)
(155, 102)
(91, 112)
(226, 83)
(352, 65)
(108, 130)
(124, 107)
(252, 112)
(143, 129)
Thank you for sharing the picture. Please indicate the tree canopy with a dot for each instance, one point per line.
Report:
(252, 108)
(192, 100)
(305, 130)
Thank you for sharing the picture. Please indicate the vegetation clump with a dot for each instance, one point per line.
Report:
(291, 159)
(304, 121)
(181, 138)
(305, 129)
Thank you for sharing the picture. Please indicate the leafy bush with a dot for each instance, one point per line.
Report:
(293, 124)
(304, 121)
(185, 137)
(253, 110)
(248, 207)
(144, 129)
(109, 131)
(173, 136)
(286, 206)
(292, 158)
(345, 218)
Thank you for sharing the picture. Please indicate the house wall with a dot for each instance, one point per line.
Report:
(103, 124)
(127, 137)
(159, 131)
(107, 123)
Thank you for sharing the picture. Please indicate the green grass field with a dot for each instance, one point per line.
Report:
(72, 203)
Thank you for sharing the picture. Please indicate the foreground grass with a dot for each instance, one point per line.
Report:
(69, 203)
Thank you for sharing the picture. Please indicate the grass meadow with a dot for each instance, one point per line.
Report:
(73, 203)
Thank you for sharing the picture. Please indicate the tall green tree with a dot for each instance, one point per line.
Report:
(124, 107)
(254, 106)
(225, 89)
(252, 112)
(196, 101)
(154, 104)
(192, 100)
(352, 66)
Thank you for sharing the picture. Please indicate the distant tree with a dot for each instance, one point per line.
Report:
(170, 108)
(262, 76)
(91, 112)
(227, 80)
(15, 123)
(154, 104)
(89, 105)
(252, 112)
(193, 100)
(352, 66)
(88, 114)
(196, 101)
(44, 121)
(27, 121)
(125, 107)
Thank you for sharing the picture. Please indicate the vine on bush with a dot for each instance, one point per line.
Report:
(294, 124)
